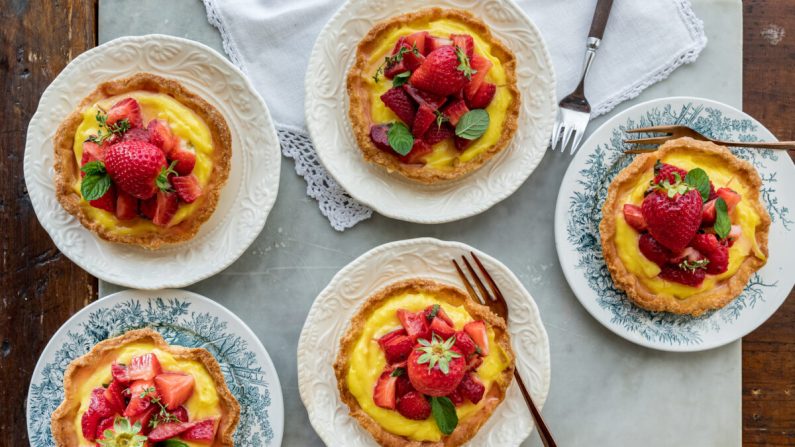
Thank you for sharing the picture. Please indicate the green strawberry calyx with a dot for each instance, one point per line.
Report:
(692, 266)
(679, 186)
(162, 179)
(437, 352)
(123, 434)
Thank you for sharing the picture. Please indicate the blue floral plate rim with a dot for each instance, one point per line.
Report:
(578, 212)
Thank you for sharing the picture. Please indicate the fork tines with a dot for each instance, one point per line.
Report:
(485, 295)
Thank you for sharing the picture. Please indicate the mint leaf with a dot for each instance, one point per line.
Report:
(723, 224)
(401, 79)
(95, 186)
(400, 138)
(473, 124)
(172, 443)
(699, 180)
(94, 168)
(444, 414)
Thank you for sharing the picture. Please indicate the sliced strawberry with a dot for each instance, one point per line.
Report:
(419, 150)
(423, 120)
(664, 171)
(160, 135)
(417, 40)
(136, 133)
(729, 196)
(379, 136)
(397, 349)
(437, 311)
(439, 74)
(148, 207)
(114, 394)
(414, 323)
(634, 217)
(483, 97)
(119, 373)
(128, 109)
(434, 43)
(98, 408)
(421, 97)
(393, 70)
(436, 133)
(167, 204)
(169, 430)
(141, 394)
(481, 66)
(708, 213)
(400, 103)
(461, 143)
(414, 406)
(174, 388)
(403, 385)
(107, 202)
(471, 388)
(386, 338)
(143, 367)
(465, 343)
(105, 424)
(455, 110)
(412, 60)
(144, 417)
(653, 251)
(442, 329)
(400, 43)
(184, 155)
(456, 398)
(715, 252)
(474, 363)
(384, 392)
(688, 254)
(126, 206)
(477, 330)
(187, 188)
(465, 42)
(92, 152)
(202, 432)
(692, 278)
(181, 413)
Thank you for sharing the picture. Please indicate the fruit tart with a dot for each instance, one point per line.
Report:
(142, 161)
(137, 391)
(433, 94)
(683, 228)
(423, 365)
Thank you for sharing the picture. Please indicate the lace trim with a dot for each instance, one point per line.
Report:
(696, 28)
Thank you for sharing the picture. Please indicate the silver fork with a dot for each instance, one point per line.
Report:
(574, 112)
(495, 301)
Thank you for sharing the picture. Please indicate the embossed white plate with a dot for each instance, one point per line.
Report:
(245, 201)
(579, 211)
(429, 258)
(184, 319)
(392, 195)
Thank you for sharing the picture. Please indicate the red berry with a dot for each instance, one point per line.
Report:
(653, 251)
(481, 66)
(465, 343)
(202, 432)
(107, 202)
(465, 43)
(421, 97)
(136, 133)
(419, 150)
(174, 388)
(143, 367)
(455, 110)
(688, 277)
(417, 40)
(634, 217)
(663, 171)
(436, 133)
(160, 135)
(166, 206)
(434, 381)
(384, 392)
(477, 330)
(185, 157)
(442, 329)
(134, 166)
(187, 188)
(471, 388)
(708, 213)
(729, 196)
(414, 323)
(98, 408)
(397, 349)
(714, 251)
(434, 43)
(169, 430)
(424, 119)
(399, 102)
(673, 221)
(414, 406)
(126, 206)
(128, 109)
(403, 385)
(483, 96)
(379, 136)
(439, 74)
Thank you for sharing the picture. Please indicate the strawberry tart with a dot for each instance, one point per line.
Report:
(683, 228)
(423, 365)
(137, 391)
(142, 161)
(433, 94)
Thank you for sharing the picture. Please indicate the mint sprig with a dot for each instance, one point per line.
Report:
(118, 128)
(96, 182)
(400, 138)
(444, 414)
(723, 224)
(473, 124)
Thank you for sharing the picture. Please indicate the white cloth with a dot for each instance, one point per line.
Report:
(270, 40)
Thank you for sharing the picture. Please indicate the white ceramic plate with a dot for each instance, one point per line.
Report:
(245, 201)
(430, 258)
(579, 211)
(392, 195)
(182, 318)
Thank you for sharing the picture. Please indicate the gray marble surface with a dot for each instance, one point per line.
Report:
(604, 391)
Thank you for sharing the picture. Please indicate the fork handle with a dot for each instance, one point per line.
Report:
(783, 145)
(600, 16)
(543, 431)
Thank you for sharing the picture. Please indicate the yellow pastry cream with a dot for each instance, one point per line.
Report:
(743, 215)
(184, 123)
(202, 404)
(368, 361)
(444, 153)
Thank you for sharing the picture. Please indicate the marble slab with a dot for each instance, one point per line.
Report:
(605, 390)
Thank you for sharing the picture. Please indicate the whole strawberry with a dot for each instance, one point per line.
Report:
(137, 167)
(436, 367)
(444, 72)
(673, 214)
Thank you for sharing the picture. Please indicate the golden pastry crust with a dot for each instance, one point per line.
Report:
(701, 302)
(359, 108)
(467, 428)
(63, 418)
(67, 170)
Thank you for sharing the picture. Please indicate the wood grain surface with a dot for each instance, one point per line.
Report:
(40, 288)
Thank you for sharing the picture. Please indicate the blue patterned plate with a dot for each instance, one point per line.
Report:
(579, 211)
(182, 318)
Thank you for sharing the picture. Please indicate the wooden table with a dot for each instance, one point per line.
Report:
(40, 288)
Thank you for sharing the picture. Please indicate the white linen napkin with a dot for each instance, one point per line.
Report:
(270, 40)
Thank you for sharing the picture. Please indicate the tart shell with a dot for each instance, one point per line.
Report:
(359, 105)
(467, 428)
(67, 170)
(62, 420)
(700, 302)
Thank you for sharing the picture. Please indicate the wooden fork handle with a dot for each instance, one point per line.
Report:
(600, 16)
(782, 145)
(546, 436)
